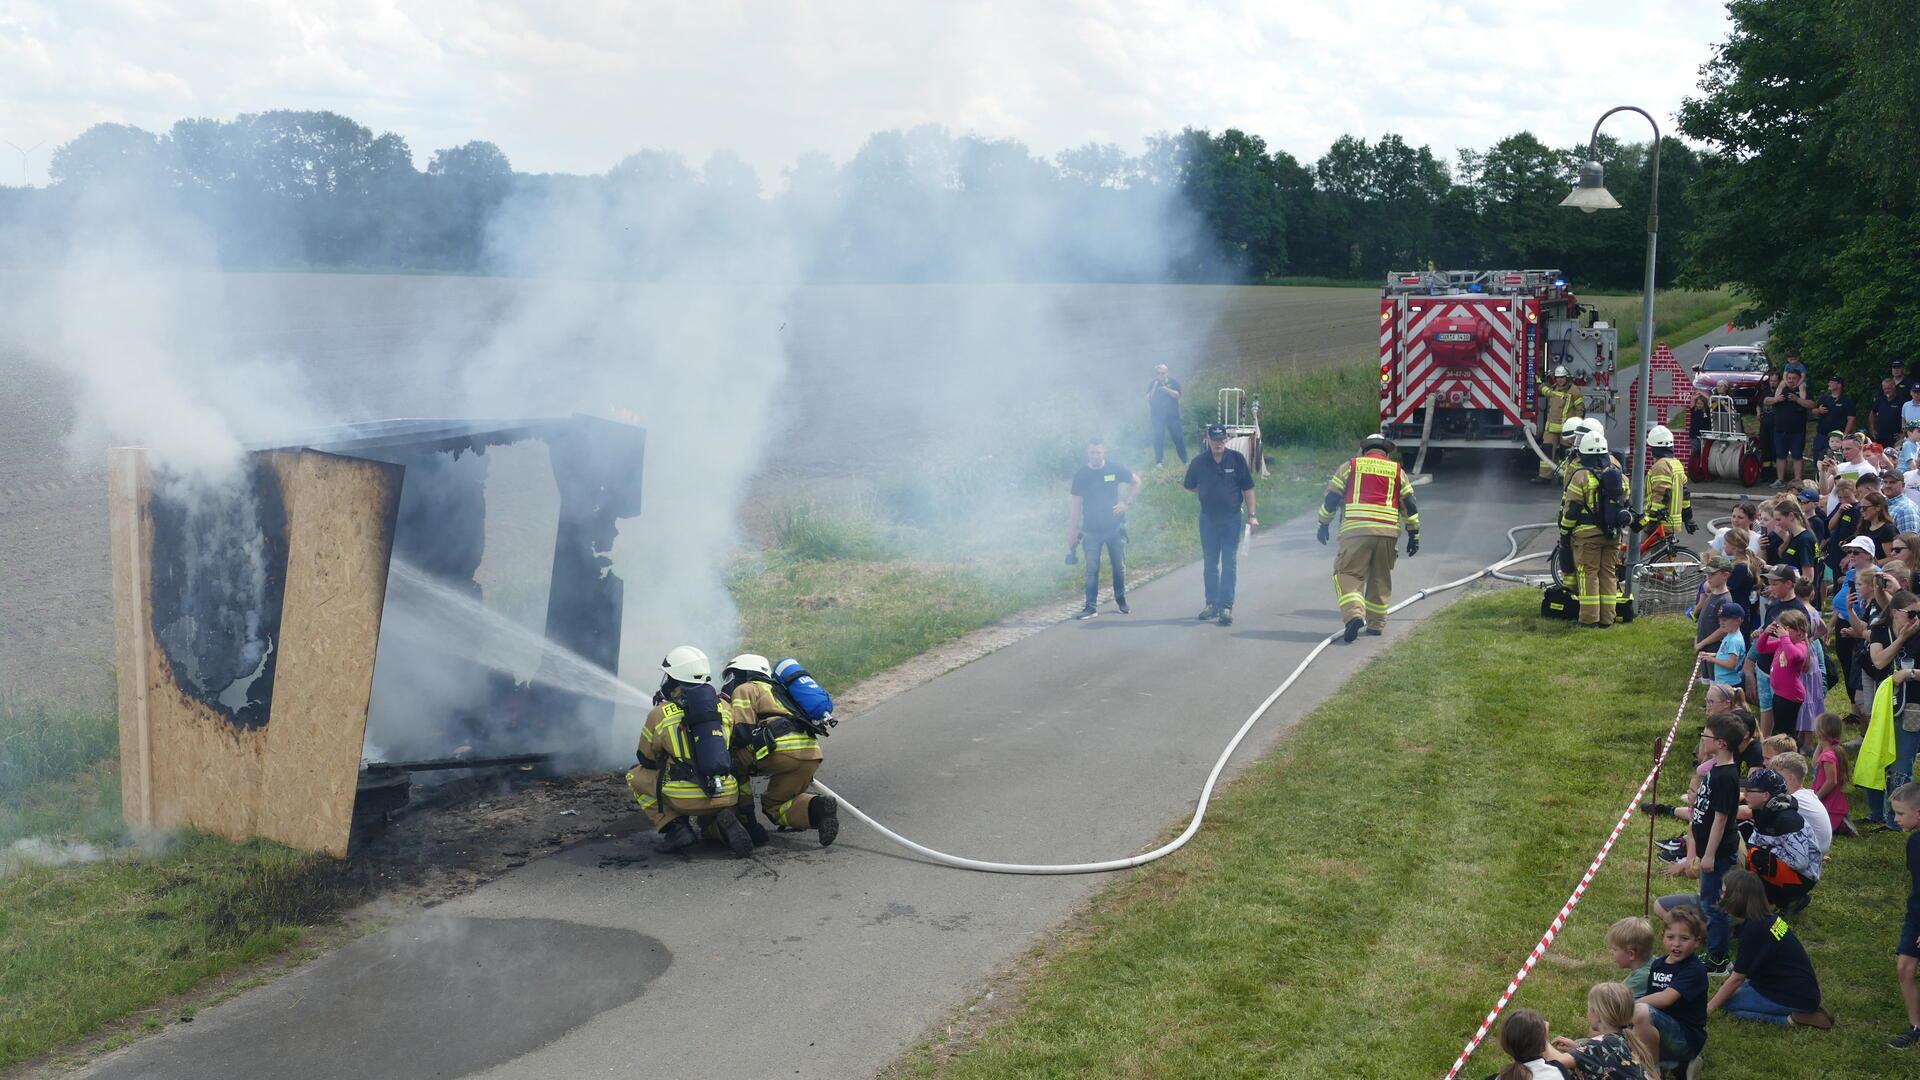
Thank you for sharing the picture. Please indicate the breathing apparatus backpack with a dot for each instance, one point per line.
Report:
(706, 737)
(1615, 513)
(807, 700)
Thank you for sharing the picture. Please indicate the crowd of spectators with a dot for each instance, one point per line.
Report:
(1807, 635)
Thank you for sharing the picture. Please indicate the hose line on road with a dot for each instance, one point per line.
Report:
(1219, 766)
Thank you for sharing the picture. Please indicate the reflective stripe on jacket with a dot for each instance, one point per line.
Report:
(1562, 405)
(1667, 497)
(755, 702)
(1374, 498)
(665, 742)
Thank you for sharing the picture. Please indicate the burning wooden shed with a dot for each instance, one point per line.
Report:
(254, 674)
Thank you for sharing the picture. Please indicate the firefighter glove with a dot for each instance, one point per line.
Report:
(1413, 544)
(1687, 520)
(1321, 534)
(1073, 556)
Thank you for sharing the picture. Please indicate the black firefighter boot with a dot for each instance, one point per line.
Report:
(823, 814)
(734, 833)
(675, 835)
(744, 811)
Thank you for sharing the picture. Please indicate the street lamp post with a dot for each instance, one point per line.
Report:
(1590, 194)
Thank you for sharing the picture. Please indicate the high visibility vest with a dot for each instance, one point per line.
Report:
(1667, 497)
(1375, 498)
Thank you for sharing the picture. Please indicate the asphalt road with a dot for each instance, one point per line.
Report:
(1081, 742)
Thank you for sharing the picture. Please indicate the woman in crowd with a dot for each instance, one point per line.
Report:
(1875, 522)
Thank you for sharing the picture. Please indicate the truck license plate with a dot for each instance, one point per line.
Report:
(1453, 335)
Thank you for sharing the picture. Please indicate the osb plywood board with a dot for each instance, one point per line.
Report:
(293, 779)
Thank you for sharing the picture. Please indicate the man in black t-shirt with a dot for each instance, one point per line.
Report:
(1096, 518)
(1791, 406)
(1834, 410)
(1163, 411)
(1886, 411)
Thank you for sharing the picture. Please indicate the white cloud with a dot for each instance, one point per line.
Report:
(576, 86)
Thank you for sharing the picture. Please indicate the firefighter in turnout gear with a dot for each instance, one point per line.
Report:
(1374, 499)
(1668, 502)
(1560, 401)
(778, 746)
(1593, 514)
(685, 768)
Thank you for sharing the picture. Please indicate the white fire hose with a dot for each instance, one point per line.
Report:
(1219, 766)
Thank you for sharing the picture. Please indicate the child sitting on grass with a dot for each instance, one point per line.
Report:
(1611, 1050)
(1523, 1035)
(1793, 769)
(1772, 980)
(1631, 941)
(1906, 814)
(1672, 1015)
(1781, 849)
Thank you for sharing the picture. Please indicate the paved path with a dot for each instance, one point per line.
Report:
(1081, 742)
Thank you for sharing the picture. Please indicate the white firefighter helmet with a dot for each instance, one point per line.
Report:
(1560, 371)
(1377, 441)
(750, 663)
(1593, 442)
(1659, 438)
(1571, 427)
(686, 664)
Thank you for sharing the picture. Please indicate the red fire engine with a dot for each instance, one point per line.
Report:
(1463, 354)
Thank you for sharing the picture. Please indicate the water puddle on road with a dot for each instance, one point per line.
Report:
(432, 997)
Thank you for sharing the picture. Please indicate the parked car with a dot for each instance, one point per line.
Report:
(1738, 371)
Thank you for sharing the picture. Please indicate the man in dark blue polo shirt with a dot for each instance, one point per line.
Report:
(1224, 483)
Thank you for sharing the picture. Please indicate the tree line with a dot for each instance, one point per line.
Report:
(316, 189)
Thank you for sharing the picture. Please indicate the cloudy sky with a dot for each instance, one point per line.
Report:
(574, 85)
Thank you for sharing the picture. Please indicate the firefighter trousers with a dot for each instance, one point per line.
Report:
(1550, 442)
(1363, 576)
(787, 801)
(1595, 557)
(663, 810)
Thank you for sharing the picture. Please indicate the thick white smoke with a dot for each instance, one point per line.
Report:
(747, 333)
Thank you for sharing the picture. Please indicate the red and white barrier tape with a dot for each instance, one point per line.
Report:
(1580, 890)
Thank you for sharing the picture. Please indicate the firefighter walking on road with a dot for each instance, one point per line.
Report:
(780, 746)
(1561, 401)
(1374, 499)
(1593, 513)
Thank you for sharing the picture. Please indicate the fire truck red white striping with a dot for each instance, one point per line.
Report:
(1474, 347)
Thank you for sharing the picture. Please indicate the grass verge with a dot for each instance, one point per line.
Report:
(92, 930)
(1679, 315)
(1360, 897)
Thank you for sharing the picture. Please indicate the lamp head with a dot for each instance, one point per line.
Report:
(1591, 193)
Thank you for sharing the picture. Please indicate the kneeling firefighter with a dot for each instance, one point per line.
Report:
(780, 743)
(1374, 498)
(686, 762)
(1593, 515)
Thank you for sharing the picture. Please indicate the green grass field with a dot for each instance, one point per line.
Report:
(1360, 897)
